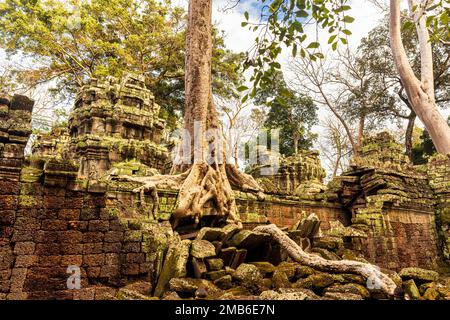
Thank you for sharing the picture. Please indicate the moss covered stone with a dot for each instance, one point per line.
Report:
(349, 288)
(202, 249)
(174, 264)
(411, 289)
(248, 274)
(266, 268)
(224, 282)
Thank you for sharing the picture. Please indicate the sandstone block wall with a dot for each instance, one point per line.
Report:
(401, 238)
(438, 171)
(46, 229)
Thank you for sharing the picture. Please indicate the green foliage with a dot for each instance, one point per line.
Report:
(74, 40)
(8, 82)
(424, 147)
(283, 23)
(292, 114)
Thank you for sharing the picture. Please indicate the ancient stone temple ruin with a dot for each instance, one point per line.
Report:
(65, 209)
(113, 121)
(300, 174)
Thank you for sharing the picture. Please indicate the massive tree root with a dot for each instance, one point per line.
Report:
(200, 184)
(375, 277)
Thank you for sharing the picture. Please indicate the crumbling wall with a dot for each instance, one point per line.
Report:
(53, 218)
(53, 144)
(392, 202)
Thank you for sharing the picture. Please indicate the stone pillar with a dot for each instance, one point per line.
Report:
(15, 129)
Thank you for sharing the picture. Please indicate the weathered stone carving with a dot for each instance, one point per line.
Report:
(382, 179)
(113, 121)
(15, 129)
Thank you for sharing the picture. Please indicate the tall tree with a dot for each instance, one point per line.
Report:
(238, 125)
(315, 78)
(294, 114)
(420, 92)
(377, 54)
(334, 146)
(282, 23)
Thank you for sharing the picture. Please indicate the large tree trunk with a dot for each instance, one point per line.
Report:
(420, 92)
(374, 276)
(361, 125)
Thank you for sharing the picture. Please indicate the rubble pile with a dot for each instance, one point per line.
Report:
(231, 263)
(382, 176)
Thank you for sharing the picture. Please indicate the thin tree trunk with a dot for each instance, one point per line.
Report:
(374, 276)
(336, 166)
(342, 121)
(420, 93)
(362, 123)
(409, 135)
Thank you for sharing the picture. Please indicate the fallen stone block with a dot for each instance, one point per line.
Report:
(202, 249)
